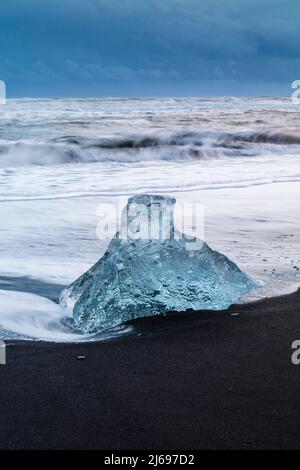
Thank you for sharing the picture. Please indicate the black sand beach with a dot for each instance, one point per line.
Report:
(199, 380)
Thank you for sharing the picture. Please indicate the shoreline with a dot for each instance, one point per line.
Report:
(129, 326)
(199, 380)
(39, 288)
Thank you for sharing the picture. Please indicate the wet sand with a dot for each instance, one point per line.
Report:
(199, 380)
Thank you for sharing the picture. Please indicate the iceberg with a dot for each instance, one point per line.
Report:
(150, 269)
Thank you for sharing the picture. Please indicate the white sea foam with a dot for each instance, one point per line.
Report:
(32, 316)
(158, 190)
(29, 316)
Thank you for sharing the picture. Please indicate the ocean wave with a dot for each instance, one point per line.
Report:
(284, 136)
(131, 148)
(244, 183)
(269, 136)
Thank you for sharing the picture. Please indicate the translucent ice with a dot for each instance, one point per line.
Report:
(149, 269)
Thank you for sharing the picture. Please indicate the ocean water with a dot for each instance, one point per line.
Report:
(60, 160)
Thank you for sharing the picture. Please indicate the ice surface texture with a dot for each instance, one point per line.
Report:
(149, 269)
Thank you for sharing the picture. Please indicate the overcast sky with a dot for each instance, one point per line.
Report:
(149, 47)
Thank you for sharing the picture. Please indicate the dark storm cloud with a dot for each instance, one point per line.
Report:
(149, 47)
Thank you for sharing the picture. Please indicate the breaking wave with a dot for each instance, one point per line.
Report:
(284, 136)
(167, 146)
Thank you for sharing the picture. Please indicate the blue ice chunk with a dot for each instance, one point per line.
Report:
(150, 269)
